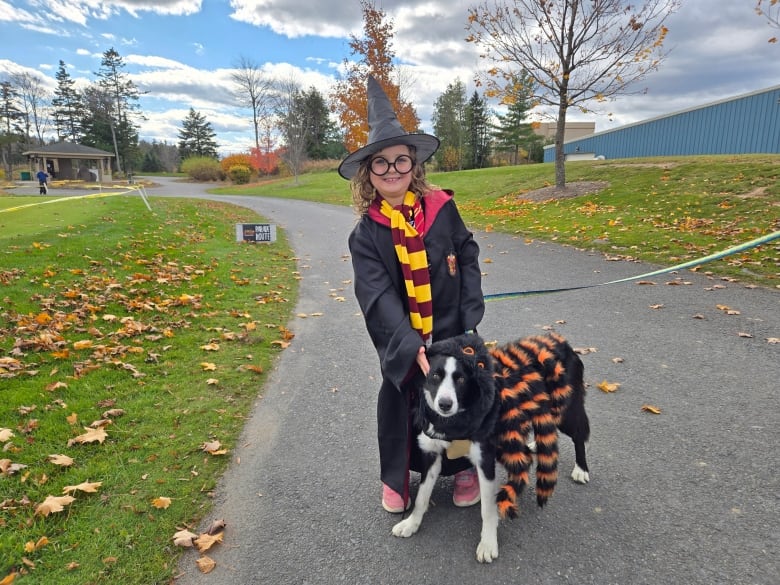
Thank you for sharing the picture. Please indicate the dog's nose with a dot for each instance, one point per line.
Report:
(445, 404)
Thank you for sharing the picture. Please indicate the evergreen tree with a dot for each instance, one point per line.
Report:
(124, 95)
(512, 133)
(477, 133)
(449, 114)
(196, 138)
(323, 140)
(11, 127)
(67, 107)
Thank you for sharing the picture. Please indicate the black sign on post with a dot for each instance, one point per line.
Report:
(255, 232)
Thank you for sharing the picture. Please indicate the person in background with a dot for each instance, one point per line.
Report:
(42, 182)
(417, 280)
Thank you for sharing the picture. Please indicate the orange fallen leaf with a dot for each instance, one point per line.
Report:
(210, 347)
(253, 368)
(55, 386)
(8, 579)
(280, 343)
(161, 503)
(205, 541)
(208, 366)
(83, 344)
(651, 409)
(605, 386)
(205, 564)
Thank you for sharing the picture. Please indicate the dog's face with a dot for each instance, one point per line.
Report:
(458, 391)
(446, 386)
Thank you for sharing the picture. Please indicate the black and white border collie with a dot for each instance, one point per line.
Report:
(493, 399)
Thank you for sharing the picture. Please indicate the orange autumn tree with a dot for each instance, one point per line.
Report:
(348, 98)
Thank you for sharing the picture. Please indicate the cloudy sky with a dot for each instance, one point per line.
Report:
(180, 52)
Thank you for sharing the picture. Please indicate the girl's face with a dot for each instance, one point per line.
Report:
(391, 172)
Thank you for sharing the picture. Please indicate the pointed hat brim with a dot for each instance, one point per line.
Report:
(385, 130)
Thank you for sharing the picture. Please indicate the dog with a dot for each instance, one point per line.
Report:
(493, 399)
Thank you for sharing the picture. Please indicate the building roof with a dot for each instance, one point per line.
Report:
(66, 149)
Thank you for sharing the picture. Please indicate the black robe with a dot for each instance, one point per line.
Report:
(458, 305)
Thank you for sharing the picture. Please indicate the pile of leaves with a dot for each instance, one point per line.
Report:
(131, 345)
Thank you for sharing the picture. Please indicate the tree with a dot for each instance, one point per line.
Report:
(576, 51)
(124, 96)
(512, 132)
(196, 138)
(10, 124)
(290, 110)
(253, 91)
(32, 100)
(477, 138)
(449, 125)
(67, 109)
(323, 138)
(348, 99)
(769, 9)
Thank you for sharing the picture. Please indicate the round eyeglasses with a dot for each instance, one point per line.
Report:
(380, 166)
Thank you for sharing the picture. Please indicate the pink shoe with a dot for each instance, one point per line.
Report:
(392, 501)
(466, 488)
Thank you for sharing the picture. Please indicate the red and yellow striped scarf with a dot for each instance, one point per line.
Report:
(410, 249)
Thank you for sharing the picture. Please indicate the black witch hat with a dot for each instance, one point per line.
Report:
(385, 130)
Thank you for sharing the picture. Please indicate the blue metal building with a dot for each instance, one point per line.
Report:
(748, 123)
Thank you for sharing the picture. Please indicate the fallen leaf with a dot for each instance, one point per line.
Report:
(5, 434)
(62, 460)
(253, 368)
(55, 386)
(743, 334)
(605, 386)
(657, 306)
(210, 347)
(208, 367)
(205, 541)
(53, 504)
(212, 382)
(216, 526)
(646, 282)
(773, 340)
(8, 579)
(585, 350)
(651, 409)
(205, 564)
(86, 487)
(184, 538)
(161, 503)
(83, 344)
(91, 436)
(617, 360)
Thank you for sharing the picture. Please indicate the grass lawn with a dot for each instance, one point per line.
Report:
(134, 344)
(661, 210)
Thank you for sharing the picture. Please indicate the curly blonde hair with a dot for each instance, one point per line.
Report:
(363, 192)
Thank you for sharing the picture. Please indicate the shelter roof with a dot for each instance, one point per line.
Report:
(67, 149)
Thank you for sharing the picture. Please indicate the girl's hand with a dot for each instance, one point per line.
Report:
(422, 361)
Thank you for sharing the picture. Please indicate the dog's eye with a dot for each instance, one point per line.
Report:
(460, 380)
(435, 376)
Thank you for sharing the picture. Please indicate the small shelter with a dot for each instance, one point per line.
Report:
(67, 160)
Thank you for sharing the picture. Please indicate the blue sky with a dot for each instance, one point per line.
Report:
(181, 52)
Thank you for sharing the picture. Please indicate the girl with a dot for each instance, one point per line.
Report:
(417, 280)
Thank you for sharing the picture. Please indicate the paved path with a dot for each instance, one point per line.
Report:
(688, 496)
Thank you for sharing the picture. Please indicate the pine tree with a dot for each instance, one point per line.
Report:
(196, 138)
(11, 131)
(121, 108)
(477, 133)
(449, 116)
(512, 133)
(67, 107)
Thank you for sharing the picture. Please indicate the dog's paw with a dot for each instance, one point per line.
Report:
(487, 551)
(580, 475)
(405, 528)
